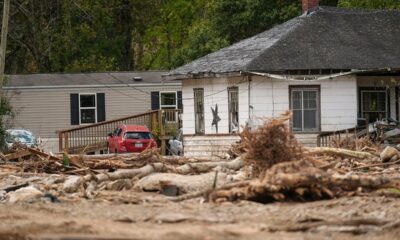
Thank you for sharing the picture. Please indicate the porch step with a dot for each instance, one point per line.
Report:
(219, 145)
(208, 145)
(308, 140)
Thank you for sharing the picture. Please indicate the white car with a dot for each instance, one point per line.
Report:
(20, 135)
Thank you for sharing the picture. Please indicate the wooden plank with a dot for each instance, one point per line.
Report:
(37, 152)
(17, 155)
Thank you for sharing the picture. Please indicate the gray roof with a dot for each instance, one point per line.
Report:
(323, 38)
(79, 79)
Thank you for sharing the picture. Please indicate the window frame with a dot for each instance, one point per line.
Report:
(196, 130)
(362, 90)
(302, 88)
(83, 108)
(233, 89)
(168, 106)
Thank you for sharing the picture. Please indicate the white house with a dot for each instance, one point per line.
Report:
(330, 66)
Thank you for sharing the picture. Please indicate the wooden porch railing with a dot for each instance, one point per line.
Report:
(325, 138)
(93, 137)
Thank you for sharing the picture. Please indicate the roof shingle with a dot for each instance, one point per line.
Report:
(323, 38)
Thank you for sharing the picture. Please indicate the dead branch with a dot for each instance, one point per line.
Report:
(377, 165)
(302, 181)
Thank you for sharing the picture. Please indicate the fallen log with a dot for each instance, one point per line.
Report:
(204, 193)
(377, 165)
(202, 167)
(184, 183)
(339, 152)
(158, 167)
(301, 181)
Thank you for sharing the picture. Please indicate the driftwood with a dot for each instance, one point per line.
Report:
(301, 181)
(164, 167)
(204, 193)
(17, 155)
(339, 152)
(183, 183)
(377, 165)
(157, 167)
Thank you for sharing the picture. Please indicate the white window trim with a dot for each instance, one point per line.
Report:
(196, 123)
(374, 91)
(83, 108)
(176, 99)
(318, 109)
(232, 90)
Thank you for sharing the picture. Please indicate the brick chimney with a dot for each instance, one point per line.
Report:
(308, 4)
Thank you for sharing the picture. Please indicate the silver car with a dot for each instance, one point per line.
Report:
(175, 144)
(22, 136)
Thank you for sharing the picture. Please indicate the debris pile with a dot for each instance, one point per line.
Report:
(268, 165)
(269, 144)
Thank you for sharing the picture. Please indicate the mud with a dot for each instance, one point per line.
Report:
(133, 215)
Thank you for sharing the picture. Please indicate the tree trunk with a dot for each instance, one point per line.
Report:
(339, 152)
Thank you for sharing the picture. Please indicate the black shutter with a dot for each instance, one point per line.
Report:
(155, 100)
(74, 109)
(101, 107)
(180, 106)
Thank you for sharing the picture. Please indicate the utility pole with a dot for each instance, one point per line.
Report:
(3, 45)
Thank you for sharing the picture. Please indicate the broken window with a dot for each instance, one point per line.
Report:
(305, 107)
(374, 104)
(199, 110)
(233, 102)
(87, 108)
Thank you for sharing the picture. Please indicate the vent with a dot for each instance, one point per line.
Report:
(137, 79)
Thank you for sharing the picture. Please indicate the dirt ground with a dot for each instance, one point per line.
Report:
(133, 215)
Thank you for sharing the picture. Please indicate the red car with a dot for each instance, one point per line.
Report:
(130, 138)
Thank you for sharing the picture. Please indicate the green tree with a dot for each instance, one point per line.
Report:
(370, 4)
(119, 35)
(239, 19)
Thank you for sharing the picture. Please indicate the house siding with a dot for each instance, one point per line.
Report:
(215, 93)
(269, 98)
(45, 111)
(338, 100)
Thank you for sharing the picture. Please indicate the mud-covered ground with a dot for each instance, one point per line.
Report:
(133, 215)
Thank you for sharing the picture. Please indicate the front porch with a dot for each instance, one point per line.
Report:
(93, 138)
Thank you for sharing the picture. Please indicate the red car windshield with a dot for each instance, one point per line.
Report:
(137, 135)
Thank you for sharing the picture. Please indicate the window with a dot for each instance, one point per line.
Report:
(305, 107)
(87, 108)
(374, 104)
(233, 103)
(167, 100)
(199, 110)
(137, 135)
